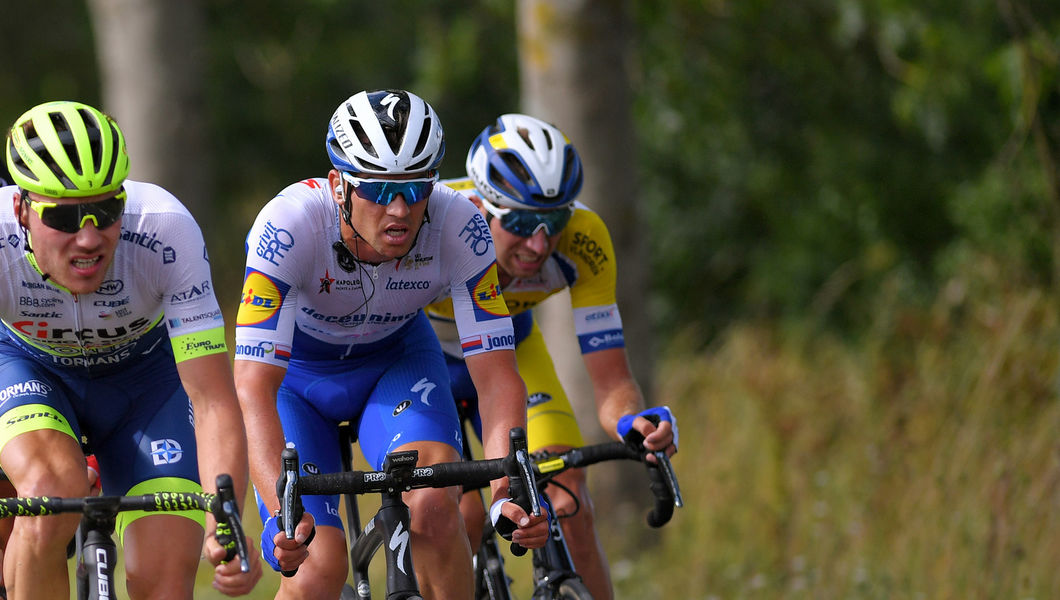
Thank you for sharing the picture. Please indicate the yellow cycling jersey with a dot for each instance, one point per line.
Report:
(584, 261)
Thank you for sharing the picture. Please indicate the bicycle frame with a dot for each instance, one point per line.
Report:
(391, 522)
(94, 542)
(96, 554)
(389, 529)
(552, 563)
(391, 525)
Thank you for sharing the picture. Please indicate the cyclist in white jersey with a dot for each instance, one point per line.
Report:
(331, 328)
(110, 334)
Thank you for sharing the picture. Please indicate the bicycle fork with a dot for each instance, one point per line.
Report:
(553, 562)
(390, 526)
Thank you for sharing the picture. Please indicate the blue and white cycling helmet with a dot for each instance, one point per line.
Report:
(385, 132)
(521, 162)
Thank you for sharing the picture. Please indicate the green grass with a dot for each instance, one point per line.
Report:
(921, 462)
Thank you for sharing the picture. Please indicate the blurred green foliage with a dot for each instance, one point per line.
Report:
(797, 154)
(793, 155)
(277, 75)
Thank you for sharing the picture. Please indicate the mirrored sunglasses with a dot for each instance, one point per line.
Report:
(526, 223)
(70, 218)
(383, 191)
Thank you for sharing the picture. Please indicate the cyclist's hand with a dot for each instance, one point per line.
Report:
(227, 578)
(281, 553)
(522, 528)
(661, 437)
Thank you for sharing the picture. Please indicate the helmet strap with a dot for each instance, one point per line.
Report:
(23, 201)
(346, 210)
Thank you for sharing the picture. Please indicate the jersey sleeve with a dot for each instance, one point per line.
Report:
(478, 308)
(587, 243)
(278, 242)
(193, 317)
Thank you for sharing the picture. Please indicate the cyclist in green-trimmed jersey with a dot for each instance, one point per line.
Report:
(110, 335)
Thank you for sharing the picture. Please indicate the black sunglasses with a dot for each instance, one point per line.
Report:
(70, 218)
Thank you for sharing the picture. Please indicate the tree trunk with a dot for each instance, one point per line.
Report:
(573, 69)
(151, 57)
(574, 74)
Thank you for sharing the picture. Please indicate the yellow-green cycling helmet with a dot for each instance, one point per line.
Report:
(66, 149)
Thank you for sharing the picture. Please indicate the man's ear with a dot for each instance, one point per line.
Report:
(335, 181)
(21, 215)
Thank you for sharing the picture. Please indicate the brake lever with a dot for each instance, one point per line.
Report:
(226, 511)
(521, 483)
(291, 508)
(526, 472)
(290, 505)
(670, 477)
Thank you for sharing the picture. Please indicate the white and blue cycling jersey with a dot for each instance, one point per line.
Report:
(301, 292)
(352, 336)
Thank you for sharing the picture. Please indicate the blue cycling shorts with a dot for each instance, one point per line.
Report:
(138, 421)
(394, 392)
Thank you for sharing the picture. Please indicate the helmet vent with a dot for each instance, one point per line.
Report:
(425, 132)
(393, 136)
(94, 141)
(37, 145)
(572, 172)
(16, 160)
(525, 134)
(362, 137)
(517, 167)
(114, 150)
(420, 165)
(498, 181)
(62, 130)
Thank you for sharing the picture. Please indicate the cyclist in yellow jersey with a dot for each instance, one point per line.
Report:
(524, 175)
(110, 333)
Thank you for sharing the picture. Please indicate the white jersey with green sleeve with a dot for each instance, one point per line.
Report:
(157, 290)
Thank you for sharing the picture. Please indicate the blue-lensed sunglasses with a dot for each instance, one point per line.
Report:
(526, 223)
(383, 191)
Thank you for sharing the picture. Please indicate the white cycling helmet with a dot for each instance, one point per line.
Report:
(521, 162)
(385, 132)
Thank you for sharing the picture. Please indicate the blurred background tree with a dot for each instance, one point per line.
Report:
(788, 156)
